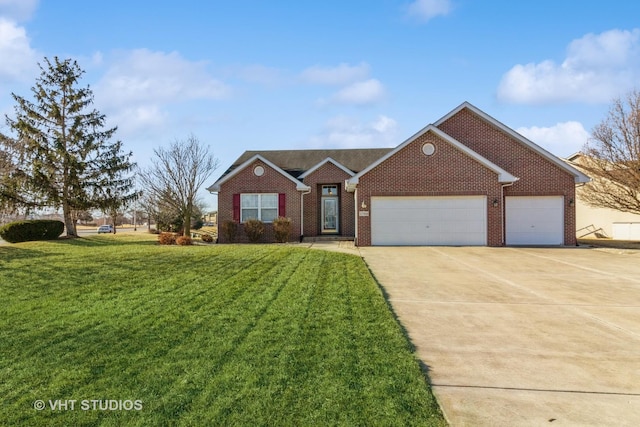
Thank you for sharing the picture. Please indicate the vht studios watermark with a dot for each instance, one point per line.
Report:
(88, 405)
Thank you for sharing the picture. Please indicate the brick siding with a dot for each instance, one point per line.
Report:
(271, 181)
(448, 172)
(538, 176)
(409, 172)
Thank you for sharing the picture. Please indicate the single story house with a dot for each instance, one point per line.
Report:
(597, 221)
(466, 179)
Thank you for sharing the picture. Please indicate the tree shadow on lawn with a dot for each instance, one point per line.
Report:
(102, 241)
(8, 252)
(23, 250)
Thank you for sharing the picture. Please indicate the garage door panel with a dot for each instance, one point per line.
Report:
(429, 220)
(535, 220)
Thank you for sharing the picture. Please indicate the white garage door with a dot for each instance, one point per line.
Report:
(403, 221)
(535, 220)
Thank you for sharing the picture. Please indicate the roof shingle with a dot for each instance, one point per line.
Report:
(296, 162)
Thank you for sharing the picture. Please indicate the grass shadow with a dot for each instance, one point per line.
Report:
(103, 241)
(9, 252)
(423, 366)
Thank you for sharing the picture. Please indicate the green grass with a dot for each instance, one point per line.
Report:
(205, 335)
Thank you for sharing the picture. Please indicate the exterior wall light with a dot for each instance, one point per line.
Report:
(495, 203)
(363, 205)
(571, 202)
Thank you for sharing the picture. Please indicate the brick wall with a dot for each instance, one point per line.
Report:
(538, 176)
(410, 172)
(270, 182)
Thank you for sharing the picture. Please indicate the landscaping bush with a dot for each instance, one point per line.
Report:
(229, 231)
(207, 238)
(165, 238)
(282, 229)
(184, 241)
(39, 229)
(254, 229)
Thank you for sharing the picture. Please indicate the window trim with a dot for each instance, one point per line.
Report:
(259, 207)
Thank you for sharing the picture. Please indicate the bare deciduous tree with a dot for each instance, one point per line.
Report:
(176, 175)
(613, 158)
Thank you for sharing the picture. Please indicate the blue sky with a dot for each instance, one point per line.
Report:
(250, 74)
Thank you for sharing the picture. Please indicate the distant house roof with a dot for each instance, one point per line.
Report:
(297, 162)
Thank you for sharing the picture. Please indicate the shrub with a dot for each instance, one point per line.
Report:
(197, 224)
(282, 229)
(229, 231)
(165, 238)
(254, 229)
(184, 241)
(207, 238)
(23, 231)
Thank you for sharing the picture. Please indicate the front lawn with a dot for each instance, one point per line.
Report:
(116, 330)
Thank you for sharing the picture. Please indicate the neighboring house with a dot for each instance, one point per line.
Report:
(601, 222)
(467, 179)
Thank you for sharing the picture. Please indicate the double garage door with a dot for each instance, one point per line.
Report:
(398, 221)
(462, 220)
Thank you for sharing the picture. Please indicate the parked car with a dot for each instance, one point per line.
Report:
(105, 229)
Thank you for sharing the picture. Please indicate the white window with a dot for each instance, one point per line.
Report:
(259, 206)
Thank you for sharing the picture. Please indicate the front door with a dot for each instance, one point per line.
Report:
(329, 209)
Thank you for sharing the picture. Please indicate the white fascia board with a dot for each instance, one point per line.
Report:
(579, 177)
(503, 175)
(216, 186)
(327, 160)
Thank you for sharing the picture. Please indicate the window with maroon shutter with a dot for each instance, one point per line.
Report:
(262, 206)
(282, 210)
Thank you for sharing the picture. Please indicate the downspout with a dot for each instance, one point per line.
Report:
(302, 194)
(503, 212)
(217, 193)
(357, 214)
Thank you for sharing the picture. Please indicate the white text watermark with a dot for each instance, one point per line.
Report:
(87, 405)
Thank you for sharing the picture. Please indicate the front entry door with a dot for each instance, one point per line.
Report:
(329, 209)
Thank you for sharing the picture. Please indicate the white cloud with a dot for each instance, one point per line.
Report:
(139, 85)
(158, 77)
(360, 93)
(338, 75)
(18, 60)
(141, 120)
(563, 139)
(357, 87)
(18, 10)
(349, 132)
(424, 10)
(597, 68)
(259, 74)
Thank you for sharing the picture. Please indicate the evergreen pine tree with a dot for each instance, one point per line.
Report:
(64, 156)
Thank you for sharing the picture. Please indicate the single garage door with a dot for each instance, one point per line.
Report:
(403, 221)
(537, 220)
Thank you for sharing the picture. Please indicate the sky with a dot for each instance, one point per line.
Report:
(273, 75)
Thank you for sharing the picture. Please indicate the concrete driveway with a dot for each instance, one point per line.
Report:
(521, 336)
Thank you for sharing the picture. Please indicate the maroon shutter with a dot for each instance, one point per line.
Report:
(282, 211)
(236, 207)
